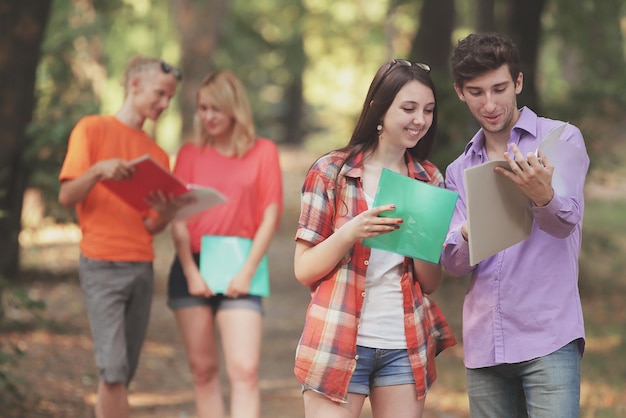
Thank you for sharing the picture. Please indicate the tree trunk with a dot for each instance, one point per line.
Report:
(294, 116)
(432, 41)
(200, 25)
(485, 16)
(432, 45)
(22, 27)
(525, 30)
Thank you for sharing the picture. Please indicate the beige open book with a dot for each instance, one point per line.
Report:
(498, 213)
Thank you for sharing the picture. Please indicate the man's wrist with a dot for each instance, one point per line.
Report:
(545, 201)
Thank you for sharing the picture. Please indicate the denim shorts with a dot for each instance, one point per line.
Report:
(178, 295)
(380, 367)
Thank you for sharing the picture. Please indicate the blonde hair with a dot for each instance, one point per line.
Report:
(228, 93)
(137, 65)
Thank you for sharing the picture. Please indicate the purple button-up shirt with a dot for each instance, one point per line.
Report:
(523, 302)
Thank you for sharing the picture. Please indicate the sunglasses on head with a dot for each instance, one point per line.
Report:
(167, 69)
(402, 63)
(406, 63)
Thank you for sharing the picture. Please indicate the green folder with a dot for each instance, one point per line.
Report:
(426, 211)
(221, 257)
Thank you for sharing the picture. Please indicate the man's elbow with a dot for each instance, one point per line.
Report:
(453, 263)
(65, 200)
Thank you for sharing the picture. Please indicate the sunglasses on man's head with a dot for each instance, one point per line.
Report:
(403, 63)
(167, 69)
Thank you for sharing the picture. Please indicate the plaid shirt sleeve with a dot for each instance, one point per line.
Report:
(317, 206)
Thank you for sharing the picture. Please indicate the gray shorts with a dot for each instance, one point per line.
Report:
(118, 296)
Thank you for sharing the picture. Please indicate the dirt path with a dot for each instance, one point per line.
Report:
(58, 374)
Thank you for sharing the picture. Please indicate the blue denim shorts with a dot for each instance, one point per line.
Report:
(380, 367)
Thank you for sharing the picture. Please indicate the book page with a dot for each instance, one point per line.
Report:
(498, 213)
(566, 159)
(204, 198)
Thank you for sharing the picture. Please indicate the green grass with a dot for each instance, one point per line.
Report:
(603, 287)
(602, 261)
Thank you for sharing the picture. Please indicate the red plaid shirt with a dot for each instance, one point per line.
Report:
(325, 357)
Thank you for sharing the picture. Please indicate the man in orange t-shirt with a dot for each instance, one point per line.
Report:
(115, 270)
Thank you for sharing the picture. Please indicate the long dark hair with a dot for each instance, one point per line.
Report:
(388, 81)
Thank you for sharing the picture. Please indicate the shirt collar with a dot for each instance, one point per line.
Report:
(527, 122)
(354, 167)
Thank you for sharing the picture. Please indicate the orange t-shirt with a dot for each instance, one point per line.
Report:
(111, 229)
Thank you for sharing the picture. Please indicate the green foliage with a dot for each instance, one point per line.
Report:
(66, 90)
(9, 391)
(602, 264)
(602, 284)
(16, 298)
(588, 63)
(345, 43)
(266, 54)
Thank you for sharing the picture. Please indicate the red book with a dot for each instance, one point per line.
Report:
(149, 176)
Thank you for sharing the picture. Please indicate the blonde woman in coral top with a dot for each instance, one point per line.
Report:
(229, 157)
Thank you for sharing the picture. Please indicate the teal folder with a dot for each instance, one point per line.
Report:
(222, 257)
(426, 211)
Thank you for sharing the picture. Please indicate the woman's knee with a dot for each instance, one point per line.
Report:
(243, 372)
(204, 371)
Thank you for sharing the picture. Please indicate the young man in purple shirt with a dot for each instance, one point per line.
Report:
(523, 331)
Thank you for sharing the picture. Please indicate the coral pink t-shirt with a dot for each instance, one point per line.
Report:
(250, 183)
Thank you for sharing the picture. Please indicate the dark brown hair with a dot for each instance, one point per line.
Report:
(482, 52)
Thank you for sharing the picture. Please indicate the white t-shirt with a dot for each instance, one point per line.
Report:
(382, 317)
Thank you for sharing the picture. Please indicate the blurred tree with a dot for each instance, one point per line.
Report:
(592, 61)
(293, 115)
(22, 27)
(345, 43)
(432, 43)
(432, 40)
(71, 79)
(525, 29)
(200, 26)
(521, 20)
(262, 43)
(485, 15)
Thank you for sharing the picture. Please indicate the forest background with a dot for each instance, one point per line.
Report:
(307, 65)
